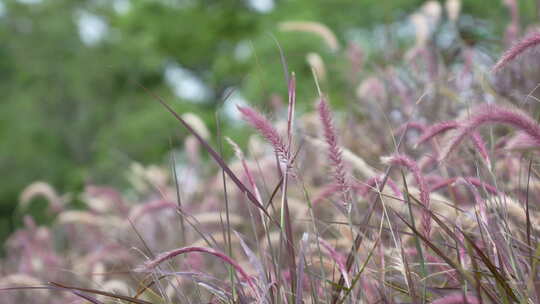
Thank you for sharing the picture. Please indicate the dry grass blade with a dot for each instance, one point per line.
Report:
(356, 245)
(447, 259)
(145, 286)
(417, 244)
(86, 297)
(499, 277)
(360, 237)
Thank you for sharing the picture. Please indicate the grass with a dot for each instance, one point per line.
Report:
(319, 208)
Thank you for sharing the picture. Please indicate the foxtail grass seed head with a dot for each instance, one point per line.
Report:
(334, 151)
(312, 27)
(529, 42)
(267, 130)
(197, 124)
(492, 114)
(316, 62)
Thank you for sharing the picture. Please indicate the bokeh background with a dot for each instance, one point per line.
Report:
(73, 107)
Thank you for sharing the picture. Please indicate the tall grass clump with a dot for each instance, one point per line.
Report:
(384, 201)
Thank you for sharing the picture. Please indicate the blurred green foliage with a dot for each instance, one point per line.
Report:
(73, 111)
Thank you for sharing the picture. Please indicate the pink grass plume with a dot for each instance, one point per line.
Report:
(334, 151)
(519, 48)
(445, 126)
(267, 130)
(492, 114)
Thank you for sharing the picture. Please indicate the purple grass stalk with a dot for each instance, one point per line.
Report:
(334, 152)
(263, 125)
(457, 298)
(489, 114)
(285, 214)
(149, 265)
(404, 161)
(517, 49)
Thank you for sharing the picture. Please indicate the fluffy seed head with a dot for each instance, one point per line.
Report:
(312, 27)
(334, 152)
(265, 128)
(490, 114)
(519, 48)
(316, 62)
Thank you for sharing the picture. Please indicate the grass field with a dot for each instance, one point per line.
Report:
(425, 190)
